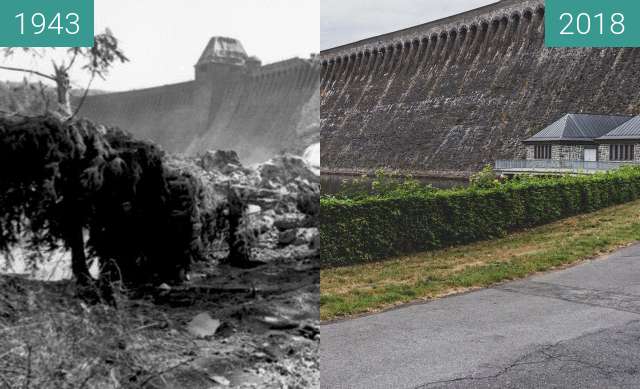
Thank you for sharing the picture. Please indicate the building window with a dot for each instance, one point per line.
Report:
(542, 152)
(621, 152)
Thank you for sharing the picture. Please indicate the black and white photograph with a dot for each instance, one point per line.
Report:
(159, 200)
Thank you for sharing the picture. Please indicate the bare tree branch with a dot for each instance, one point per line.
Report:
(73, 61)
(162, 372)
(84, 97)
(4, 381)
(27, 71)
(28, 378)
(43, 96)
(55, 65)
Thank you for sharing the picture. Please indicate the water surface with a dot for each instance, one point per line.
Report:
(334, 183)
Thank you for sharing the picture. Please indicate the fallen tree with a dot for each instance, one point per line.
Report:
(146, 216)
(95, 191)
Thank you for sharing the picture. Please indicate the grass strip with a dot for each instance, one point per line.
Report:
(371, 287)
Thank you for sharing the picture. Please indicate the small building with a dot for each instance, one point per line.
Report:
(622, 143)
(580, 144)
(572, 137)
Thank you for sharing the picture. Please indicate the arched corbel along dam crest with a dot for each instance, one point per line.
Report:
(449, 96)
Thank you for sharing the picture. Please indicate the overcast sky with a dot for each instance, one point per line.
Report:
(164, 38)
(345, 21)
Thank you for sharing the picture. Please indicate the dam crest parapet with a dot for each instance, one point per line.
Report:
(458, 93)
(234, 102)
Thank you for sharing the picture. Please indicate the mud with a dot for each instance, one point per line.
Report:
(269, 336)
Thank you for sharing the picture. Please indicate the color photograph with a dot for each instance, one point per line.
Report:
(480, 186)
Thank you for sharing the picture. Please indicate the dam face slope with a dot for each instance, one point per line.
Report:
(449, 96)
(234, 103)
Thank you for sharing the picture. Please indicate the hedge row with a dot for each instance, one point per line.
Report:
(355, 231)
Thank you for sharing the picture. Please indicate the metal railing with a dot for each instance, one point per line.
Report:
(550, 165)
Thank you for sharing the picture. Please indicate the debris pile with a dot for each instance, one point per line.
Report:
(223, 326)
(279, 200)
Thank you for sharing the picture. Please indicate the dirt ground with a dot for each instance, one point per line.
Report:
(268, 335)
(263, 322)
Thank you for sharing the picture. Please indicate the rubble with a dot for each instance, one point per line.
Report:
(279, 198)
(288, 221)
(285, 170)
(202, 325)
(287, 237)
(225, 161)
(308, 236)
(222, 325)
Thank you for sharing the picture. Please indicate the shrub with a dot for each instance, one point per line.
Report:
(377, 227)
(381, 184)
(486, 178)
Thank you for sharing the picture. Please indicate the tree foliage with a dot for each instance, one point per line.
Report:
(96, 190)
(382, 184)
(375, 227)
(486, 178)
(96, 60)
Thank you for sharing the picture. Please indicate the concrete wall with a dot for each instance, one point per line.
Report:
(266, 114)
(257, 113)
(167, 115)
(453, 95)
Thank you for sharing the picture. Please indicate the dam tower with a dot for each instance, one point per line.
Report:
(222, 65)
(447, 97)
(234, 103)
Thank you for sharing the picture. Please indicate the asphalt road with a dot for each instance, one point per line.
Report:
(575, 328)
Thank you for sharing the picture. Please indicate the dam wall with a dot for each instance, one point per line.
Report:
(263, 114)
(234, 103)
(154, 113)
(447, 97)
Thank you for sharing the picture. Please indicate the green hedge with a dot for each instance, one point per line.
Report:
(355, 231)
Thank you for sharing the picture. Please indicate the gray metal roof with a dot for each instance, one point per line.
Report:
(579, 127)
(628, 130)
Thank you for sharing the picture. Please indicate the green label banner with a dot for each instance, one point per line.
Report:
(592, 23)
(46, 23)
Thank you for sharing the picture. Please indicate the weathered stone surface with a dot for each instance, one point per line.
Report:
(566, 152)
(202, 325)
(452, 95)
(301, 236)
(308, 236)
(288, 221)
(274, 222)
(225, 161)
(285, 169)
(287, 237)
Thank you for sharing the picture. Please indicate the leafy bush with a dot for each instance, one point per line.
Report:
(383, 184)
(376, 227)
(486, 178)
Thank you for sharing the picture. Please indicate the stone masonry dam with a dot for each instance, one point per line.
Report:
(234, 103)
(447, 97)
